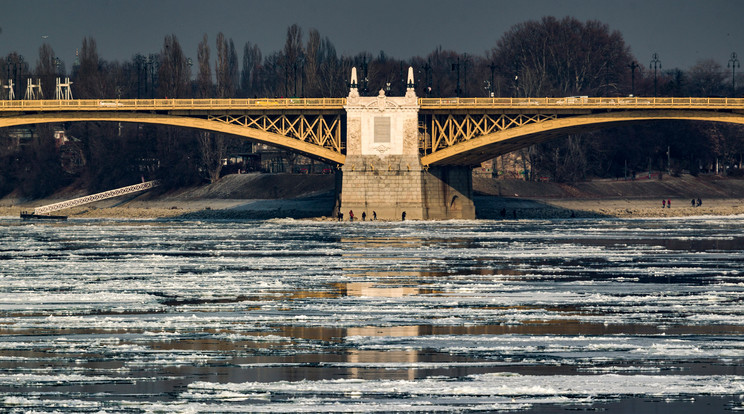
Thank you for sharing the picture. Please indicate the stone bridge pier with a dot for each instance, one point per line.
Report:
(383, 171)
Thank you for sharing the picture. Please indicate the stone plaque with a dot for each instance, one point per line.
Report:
(382, 129)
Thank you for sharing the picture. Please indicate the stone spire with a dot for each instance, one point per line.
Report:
(353, 85)
(410, 85)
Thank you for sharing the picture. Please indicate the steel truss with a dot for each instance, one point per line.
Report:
(321, 130)
(447, 130)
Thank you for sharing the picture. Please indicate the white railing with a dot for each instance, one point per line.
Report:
(169, 104)
(96, 197)
(583, 102)
(338, 103)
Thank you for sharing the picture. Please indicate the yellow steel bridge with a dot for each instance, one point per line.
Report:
(454, 131)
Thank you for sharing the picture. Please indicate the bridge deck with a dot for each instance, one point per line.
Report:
(337, 104)
(580, 103)
(173, 104)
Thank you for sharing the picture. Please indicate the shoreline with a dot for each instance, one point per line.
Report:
(487, 207)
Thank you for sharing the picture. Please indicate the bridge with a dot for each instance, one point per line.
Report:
(395, 153)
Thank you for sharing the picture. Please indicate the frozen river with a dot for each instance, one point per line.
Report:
(306, 316)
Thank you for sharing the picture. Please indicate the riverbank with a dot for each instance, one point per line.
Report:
(264, 196)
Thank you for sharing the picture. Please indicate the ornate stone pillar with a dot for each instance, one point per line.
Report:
(383, 171)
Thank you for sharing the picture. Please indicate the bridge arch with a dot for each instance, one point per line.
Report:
(484, 147)
(306, 148)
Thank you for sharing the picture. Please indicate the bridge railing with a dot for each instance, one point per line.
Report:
(581, 101)
(139, 104)
(338, 103)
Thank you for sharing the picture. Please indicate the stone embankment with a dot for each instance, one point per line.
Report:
(609, 198)
(262, 196)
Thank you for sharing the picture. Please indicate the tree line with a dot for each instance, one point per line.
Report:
(542, 58)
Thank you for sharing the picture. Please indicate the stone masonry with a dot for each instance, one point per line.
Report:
(383, 172)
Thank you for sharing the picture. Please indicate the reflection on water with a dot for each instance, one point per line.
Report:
(284, 315)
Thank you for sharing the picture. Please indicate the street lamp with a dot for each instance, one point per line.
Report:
(733, 63)
(302, 75)
(633, 66)
(294, 67)
(57, 64)
(655, 63)
(152, 62)
(456, 67)
(427, 69)
(139, 60)
(492, 66)
(365, 79)
(465, 70)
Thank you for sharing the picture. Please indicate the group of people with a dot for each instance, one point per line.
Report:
(694, 203)
(340, 216)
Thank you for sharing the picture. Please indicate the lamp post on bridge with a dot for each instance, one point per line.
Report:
(365, 79)
(733, 63)
(655, 63)
(152, 63)
(299, 64)
(427, 70)
(633, 66)
(492, 66)
(456, 68)
(465, 71)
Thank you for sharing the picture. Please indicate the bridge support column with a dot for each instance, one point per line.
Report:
(448, 193)
(383, 171)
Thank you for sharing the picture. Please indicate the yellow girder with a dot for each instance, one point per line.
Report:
(271, 138)
(463, 130)
(481, 148)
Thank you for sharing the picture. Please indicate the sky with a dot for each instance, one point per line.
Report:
(682, 32)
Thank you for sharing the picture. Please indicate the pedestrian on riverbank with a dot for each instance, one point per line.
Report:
(340, 216)
(351, 215)
(663, 203)
(374, 215)
(699, 202)
(669, 203)
(692, 202)
(403, 216)
(364, 215)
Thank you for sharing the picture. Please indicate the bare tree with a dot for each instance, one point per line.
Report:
(554, 57)
(46, 70)
(232, 68)
(311, 64)
(291, 59)
(226, 67)
(333, 71)
(204, 78)
(250, 78)
(707, 78)
(213, 150)
(174, 71)
(89, 80)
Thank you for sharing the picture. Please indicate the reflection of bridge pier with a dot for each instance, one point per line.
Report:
(383, 170)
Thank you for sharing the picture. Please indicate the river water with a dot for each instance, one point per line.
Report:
(309, 316)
